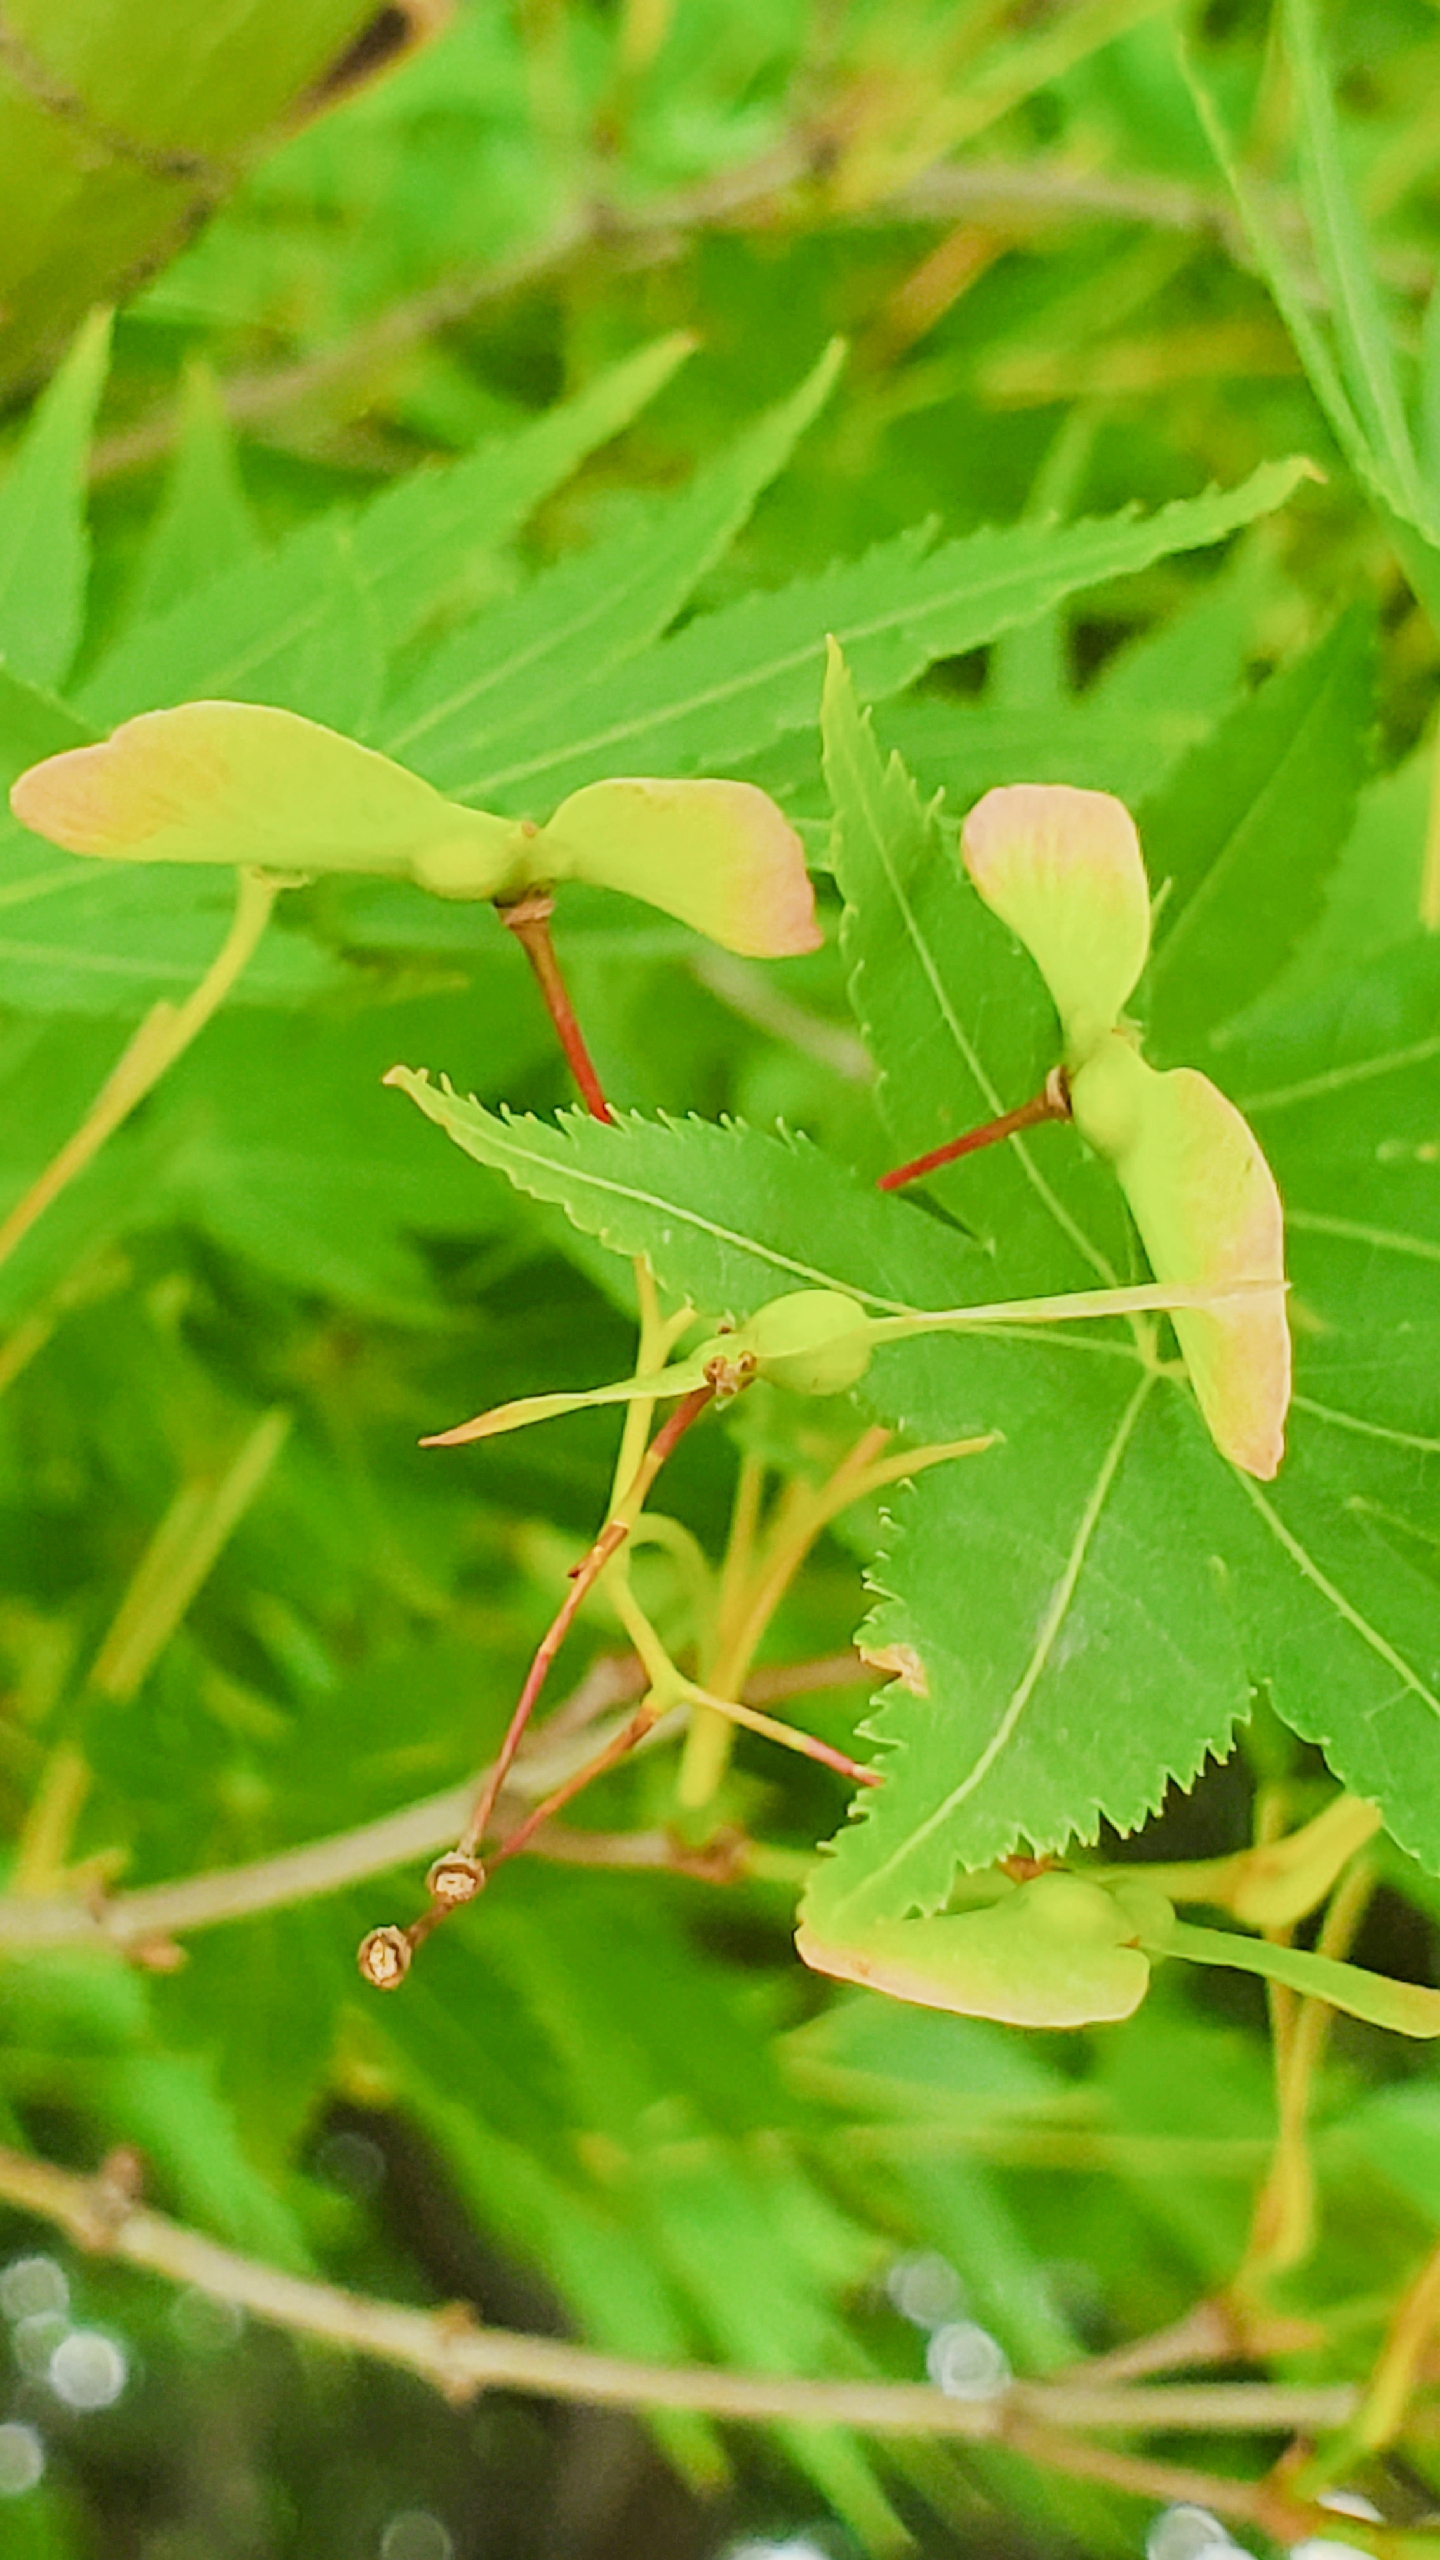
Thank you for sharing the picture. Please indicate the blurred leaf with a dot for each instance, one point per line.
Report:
(203, 525)
(44, 544)
(421, 539)
(733, 681)
(1242, 844)
(530, 663)
(298, 629)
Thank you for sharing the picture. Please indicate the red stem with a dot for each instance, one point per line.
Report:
(587, 1571)
(1051, 1103)
(582, 1576)
(529, 920)
(614, 1751)
(688, 1410)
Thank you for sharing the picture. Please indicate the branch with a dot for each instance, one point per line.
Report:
(1018, 196)
(450, 2350)
(155, 1914)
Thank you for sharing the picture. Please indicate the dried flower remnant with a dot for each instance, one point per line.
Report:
(383, 1957)
(455, 1879)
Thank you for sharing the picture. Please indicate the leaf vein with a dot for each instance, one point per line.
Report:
(1354, 1618)
(1051, 1624)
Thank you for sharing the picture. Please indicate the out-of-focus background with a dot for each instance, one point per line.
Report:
(239, 1610)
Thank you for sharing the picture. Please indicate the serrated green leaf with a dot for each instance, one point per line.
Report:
(1362, 326)
(928, 963)
(726, 1216)
(1344, 1091)
(528, 666)
(1374, 891)
(298, 630)
(1068, 1621)
(44, 545)
(734, 681)
(1152, 703)
(1241, 846)
(716, 1199)
(203, 525)
(421, 538)
(1068, 1678)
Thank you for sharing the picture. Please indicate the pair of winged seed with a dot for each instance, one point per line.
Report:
(239, 784)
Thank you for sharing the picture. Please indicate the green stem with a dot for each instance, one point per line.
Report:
(1406, 2008)
(163, 1037)
(1152, 1297)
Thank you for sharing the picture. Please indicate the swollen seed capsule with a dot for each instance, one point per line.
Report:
(384, 1958)
(815, 1341)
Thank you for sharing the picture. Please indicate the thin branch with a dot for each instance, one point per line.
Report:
(1171, 2483)
(1217, 2331)
(583, 1576)
(155, 1914)
(1021, 196)
(1051, 1103)
(447, 2348)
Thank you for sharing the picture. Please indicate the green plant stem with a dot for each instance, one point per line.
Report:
(1151, 1297)
(1282, 2230)
(787, 1735)
(1406, 2008)
(163, 1036)
(757, 1590)
(708, 1740)
(1398, 2366)
(1275, 1883)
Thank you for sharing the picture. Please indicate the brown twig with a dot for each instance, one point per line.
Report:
(448, 2349)
(1024, 196)
(1051, 1103)
(616, 1750)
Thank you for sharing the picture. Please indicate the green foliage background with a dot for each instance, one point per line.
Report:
(485, 425)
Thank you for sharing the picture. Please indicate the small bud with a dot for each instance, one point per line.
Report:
(728, 1372)
(384, 1958)
(455, 1879)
